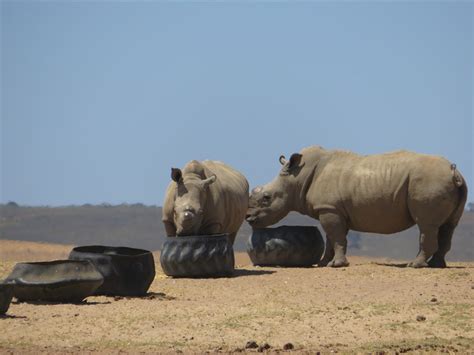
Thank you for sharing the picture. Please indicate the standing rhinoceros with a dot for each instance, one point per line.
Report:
(207, 197)
(384, 193)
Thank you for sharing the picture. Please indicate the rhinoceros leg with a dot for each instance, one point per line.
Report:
(445, 235)
(328, 254)
(336, 230)
(428, 246)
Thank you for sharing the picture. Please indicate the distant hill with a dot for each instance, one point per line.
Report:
(140, 226)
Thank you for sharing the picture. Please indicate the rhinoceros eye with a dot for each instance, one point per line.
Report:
(266, 196)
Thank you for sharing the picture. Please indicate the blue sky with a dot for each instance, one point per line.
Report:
(100, 99)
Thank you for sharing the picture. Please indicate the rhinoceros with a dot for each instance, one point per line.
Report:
(207, 197)
(384, 193)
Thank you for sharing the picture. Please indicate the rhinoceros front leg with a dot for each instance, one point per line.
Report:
(428, 246)
(328, 254)
(336, 230)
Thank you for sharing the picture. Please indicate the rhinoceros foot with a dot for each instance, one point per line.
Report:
(437, 262)
(338, 262)
(418, 264)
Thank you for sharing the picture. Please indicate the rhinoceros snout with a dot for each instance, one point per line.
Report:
(188, 216)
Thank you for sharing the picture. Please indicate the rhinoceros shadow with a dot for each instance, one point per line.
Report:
(245, 272)
(405, 265)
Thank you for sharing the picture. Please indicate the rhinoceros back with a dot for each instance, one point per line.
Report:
(228, 196)
(377, 192)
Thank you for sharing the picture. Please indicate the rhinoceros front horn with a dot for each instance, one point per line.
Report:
(282, 160)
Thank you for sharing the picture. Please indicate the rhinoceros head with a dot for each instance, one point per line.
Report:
(271, 202)
(190, 199)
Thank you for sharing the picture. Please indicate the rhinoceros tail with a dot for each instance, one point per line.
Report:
(462, 191)
(457, 178)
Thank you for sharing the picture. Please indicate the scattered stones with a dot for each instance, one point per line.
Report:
(434, 299)
(420, 318)
(288, 346)
(251, 344)
(263, 347)
(118, 298)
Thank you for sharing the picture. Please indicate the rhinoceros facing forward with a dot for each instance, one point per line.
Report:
(206, 197)
(384, 193)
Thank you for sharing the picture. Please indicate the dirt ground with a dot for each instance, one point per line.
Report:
(372, 305)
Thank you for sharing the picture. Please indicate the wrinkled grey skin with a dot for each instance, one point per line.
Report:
(205, 198)
(384, 193)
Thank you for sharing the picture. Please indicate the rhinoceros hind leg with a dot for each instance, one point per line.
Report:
(437, 262)
(336, 230)
(428, 246)
(445, 235)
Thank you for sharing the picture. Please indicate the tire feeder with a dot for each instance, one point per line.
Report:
(54, 281)
(126, 271)
(6, 294)
(291, 246)
(198, 256)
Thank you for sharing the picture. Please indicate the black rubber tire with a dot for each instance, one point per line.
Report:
(290, 246)
(55, 281)
(198, 256)
(6, 294)
(126, 271)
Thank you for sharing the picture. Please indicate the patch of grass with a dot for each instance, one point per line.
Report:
(383, 308)
(459, 274)
(433, 344)
(457, 316)
(402, 326)
(124, 344)
(236, 322)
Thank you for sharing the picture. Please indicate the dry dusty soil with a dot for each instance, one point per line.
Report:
(370, 306)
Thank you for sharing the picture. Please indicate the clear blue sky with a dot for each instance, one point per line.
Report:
(100, 99)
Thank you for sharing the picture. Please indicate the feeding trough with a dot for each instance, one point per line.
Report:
(126, 271)
(198, 256)
(55, 281)
(286, 246)
(6, 294)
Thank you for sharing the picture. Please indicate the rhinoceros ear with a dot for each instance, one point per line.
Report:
(209, 180)
(282, 160)
(295, 160)
(176, 174)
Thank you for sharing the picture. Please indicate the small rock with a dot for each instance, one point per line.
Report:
(75, 315)
(420, 318)
(251, 345)
(288, 346)
(434, 299)
(263, 347)
(117, 298)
